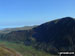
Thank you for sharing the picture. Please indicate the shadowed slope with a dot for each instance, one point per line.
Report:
(57, 35)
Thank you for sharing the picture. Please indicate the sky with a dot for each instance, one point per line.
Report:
(18, 13)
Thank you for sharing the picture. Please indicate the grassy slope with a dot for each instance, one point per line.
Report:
(4, 52)
(24, 50)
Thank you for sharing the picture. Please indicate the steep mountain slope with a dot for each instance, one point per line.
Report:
(18, 35)
(57, 35)
(21, 36)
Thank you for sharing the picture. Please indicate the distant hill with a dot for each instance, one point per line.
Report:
(7, 30)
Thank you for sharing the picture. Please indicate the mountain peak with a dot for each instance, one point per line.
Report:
(67, 18)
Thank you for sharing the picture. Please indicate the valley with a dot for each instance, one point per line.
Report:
(14, 49)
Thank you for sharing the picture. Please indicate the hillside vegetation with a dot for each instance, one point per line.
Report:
(20, 49)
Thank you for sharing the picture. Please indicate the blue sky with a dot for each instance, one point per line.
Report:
(16, 13)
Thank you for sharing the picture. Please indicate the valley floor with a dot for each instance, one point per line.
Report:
(21, 50)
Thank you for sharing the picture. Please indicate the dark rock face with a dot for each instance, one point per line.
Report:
(58, 34)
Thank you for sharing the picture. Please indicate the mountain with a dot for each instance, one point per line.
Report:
(57, 35)
(52, 37)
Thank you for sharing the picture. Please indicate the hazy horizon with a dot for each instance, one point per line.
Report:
(18, 13)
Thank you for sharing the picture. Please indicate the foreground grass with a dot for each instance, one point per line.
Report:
(24, 50)
(4, 52)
